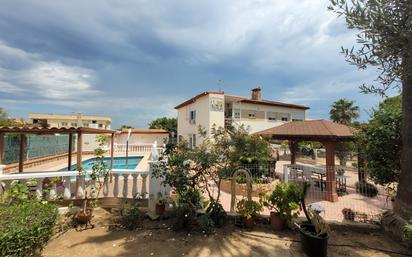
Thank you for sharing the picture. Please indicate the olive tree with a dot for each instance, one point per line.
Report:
(384, 41)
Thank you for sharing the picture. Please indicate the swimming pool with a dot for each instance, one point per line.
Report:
(118, 163)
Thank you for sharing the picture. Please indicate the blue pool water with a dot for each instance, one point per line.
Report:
(118, 163)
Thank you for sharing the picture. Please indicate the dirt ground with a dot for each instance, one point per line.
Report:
(157, 239)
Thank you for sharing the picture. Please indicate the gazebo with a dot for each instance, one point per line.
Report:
(23, 131)
(326, 132)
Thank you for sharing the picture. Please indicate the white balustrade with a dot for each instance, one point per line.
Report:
(73, 182)
(133, 148)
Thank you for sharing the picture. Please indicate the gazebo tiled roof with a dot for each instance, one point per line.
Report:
(310, 130)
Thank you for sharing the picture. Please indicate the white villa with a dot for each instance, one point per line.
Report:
(210, 109)
(70, 120)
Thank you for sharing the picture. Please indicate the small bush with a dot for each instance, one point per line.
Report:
(366, 189)
(407, 233)
(184, 216)
(217, 214)
(25, 228)
(131, 218)
(206, 224)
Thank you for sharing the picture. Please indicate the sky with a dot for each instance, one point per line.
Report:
(134, 60)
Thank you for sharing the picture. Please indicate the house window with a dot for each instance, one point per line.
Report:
(252, 114)
(74, 124)
(65, 124)
(86, 125)
(100, 125)
(271, 116)
(192, 119)
(296, 119)
(237, 114)
(35, 121)
(285, 118)
(94, 121)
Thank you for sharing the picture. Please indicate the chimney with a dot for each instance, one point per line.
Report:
(257, 94)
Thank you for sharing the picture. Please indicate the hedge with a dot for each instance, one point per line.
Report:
(26, 228)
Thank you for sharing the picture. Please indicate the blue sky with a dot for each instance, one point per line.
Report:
(135, 60)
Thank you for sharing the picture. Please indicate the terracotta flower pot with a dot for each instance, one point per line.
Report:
(276, 221)
(160, 209)
(85, 217)
(249, 222)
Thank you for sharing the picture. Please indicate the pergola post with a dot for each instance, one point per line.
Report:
(331, 194)
(111, 156)
(21, 153)
(293, 145)
(79, 150)
(69, 159)
(1, 147)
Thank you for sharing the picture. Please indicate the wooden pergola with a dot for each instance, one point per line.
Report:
(23, 131)
(326, 132)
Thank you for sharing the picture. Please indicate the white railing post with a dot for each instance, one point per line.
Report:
(106, 186)
(67, 194)
(134, 186)
(116, 185)
(144, 186)
(2, 166)
(125, 185)
(285, 173)
(80, 188)
(39, 188)
(53, 191)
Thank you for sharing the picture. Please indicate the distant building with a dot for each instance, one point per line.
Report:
(142, 136)
(210, 109)
(71, 120)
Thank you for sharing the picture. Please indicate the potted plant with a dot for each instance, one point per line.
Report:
(314, 234)
(160, 207)
(283, 202)
(249, 210)
(348, 214)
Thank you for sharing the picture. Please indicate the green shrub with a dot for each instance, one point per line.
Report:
(407, 233)
(206, 224)
(184, 216)
(25, 228)
(366, 189)
(130, 218)
(283, 200)
(217, 214)
(18, 192)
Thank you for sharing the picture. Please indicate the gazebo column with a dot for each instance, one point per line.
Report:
(293, 146)
(21, 153)
(79, 151)
(111, 156)
(69, 159)
(331, 194)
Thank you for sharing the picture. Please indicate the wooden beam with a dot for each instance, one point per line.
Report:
(21, 153)
(1, 147)
(79, 150)
(111, 156)
(69, 159)
(331, 194)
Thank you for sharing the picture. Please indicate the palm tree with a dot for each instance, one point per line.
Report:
(344, 111)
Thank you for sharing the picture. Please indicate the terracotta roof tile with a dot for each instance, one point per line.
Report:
(309, 129)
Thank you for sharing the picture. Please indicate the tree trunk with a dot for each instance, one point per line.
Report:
(403, 204)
